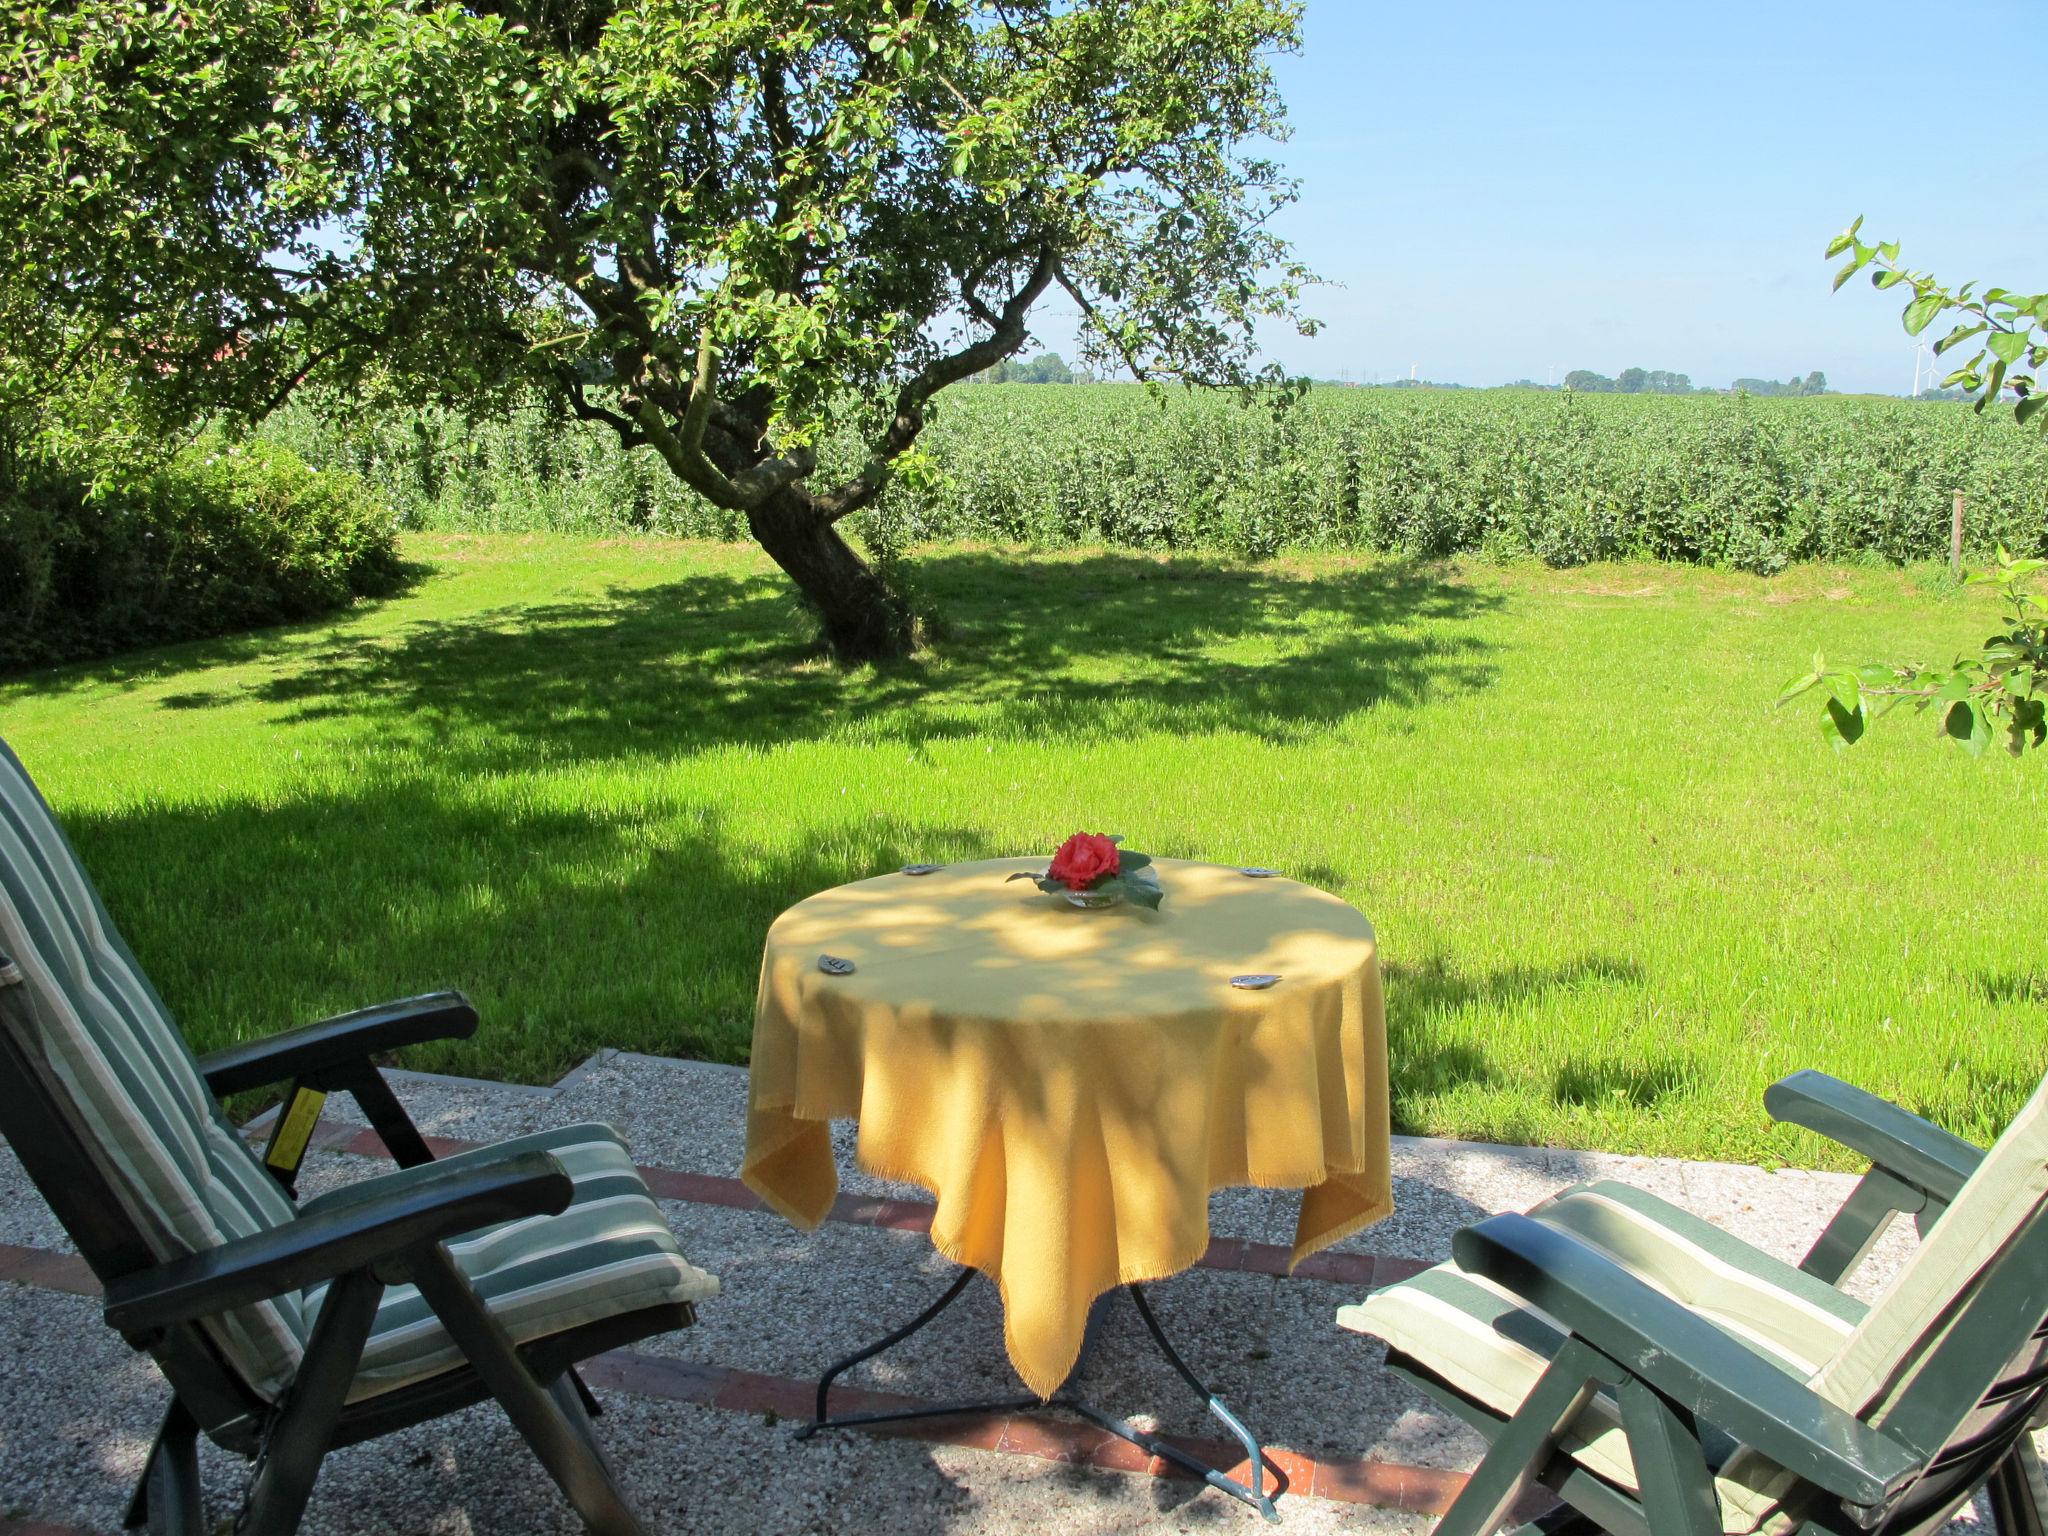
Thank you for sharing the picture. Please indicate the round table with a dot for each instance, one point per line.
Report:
(1071, 1085)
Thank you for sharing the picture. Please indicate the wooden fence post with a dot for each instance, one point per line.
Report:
(1955, 541)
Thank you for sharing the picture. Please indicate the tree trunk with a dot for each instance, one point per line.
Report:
(863, 619)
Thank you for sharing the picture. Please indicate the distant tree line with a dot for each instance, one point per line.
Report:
(1630, 381)
(1655, 381)
(1046, 368)
(1815, 383)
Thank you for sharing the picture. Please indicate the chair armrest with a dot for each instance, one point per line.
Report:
(1894, 1139)
(341, 1041)
(1686, 1359)
(324, 1244)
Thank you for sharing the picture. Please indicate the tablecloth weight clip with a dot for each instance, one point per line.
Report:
(1253, 983)
(832, 965)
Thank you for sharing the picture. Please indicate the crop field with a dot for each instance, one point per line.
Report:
(1749, 484)
(1616, 893)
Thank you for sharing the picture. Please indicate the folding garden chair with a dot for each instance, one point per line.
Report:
(1658, 1376)
(286, 1330)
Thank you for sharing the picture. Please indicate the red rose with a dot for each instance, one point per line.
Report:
(1083, 859)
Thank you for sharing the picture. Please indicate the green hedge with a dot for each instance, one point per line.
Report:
(1722, 480)
(222, 538)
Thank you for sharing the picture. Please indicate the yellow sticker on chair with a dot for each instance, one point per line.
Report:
(295, 1129)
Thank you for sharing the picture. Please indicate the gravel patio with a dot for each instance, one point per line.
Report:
(701, 1422)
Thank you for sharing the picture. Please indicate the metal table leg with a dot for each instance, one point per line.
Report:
(1268, 1479)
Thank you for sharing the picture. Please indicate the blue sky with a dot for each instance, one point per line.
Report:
(1507, 190)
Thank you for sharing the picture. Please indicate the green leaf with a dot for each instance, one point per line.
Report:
(2029, 726)
(1130, 862)
(1846, 724)
(1967, 727)
(1797, 686)
(1958, 336)
(2007, 346)
(1921, 311)
(1143, 889)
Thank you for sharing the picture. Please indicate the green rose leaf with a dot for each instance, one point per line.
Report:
(1142, 889)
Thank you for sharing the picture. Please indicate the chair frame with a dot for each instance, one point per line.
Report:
(359, 1245)
(1688, 1393)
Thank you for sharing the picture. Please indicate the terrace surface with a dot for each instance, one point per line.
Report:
(702, 1422)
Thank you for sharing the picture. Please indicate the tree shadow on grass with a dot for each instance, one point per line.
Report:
(173, 658)
(1427, 1061)
(2022, 987)
(1040, 650)
(571, 927)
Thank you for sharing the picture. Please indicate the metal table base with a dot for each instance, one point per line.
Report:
(1260, 1492)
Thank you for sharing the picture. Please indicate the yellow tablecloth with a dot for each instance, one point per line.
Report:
(1072, 1085)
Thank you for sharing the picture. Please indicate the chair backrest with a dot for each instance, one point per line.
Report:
(110, 1080)
(1953, 1358)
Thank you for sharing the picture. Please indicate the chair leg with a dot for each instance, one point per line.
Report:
(575, 1400)
(296, 1442)
(167, 1497)
(2017, 1494)
(564, 1442)
(584, 1395)
(386, 1115)
(1677, 1489)
(1526, 1442)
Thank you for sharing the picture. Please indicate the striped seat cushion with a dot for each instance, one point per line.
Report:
(1492, 1347)
(608, 1254)
(102, 1043)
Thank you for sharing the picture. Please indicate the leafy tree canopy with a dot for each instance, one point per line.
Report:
(2008, 328)
(1999, 692)
(721, 227)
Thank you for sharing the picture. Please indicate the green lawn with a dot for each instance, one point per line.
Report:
(1616, 894)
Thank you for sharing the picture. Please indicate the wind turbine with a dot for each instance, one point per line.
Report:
(1921, 350)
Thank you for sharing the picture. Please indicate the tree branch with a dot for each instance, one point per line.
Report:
(1079, 295)
(630, 436)
(1006, 337)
